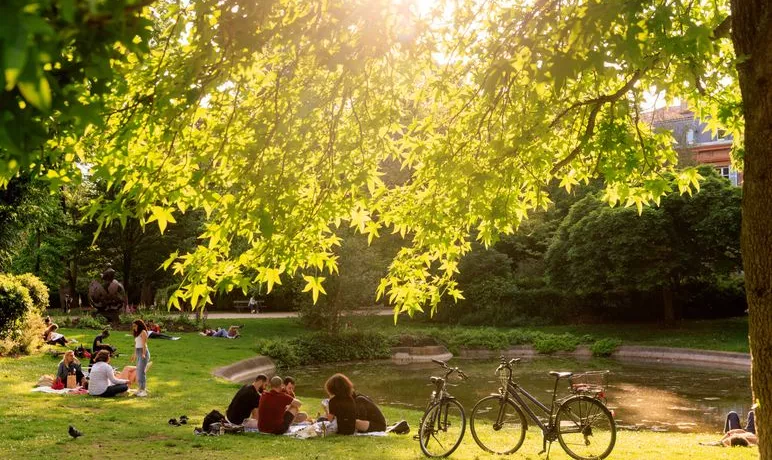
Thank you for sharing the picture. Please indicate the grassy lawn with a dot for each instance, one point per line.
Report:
(34, 425)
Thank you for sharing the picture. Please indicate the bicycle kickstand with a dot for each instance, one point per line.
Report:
(545, 448)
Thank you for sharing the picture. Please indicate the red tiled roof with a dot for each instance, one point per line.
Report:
(666, 114)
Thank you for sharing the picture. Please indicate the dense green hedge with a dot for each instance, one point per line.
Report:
(166, 321)
(326, 348)
(38, 291)
(352, 346)
(21, 325)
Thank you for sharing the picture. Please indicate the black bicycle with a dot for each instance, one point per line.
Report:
(443, 424)
(582, 423)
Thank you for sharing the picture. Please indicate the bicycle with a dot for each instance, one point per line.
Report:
(443, 424)
(582, 423)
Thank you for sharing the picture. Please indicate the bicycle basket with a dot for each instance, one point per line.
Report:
(593, 383)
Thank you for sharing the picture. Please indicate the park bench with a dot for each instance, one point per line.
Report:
(244, 305)
(241, 305)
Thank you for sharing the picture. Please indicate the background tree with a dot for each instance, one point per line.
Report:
(283, 112)
(603, 250)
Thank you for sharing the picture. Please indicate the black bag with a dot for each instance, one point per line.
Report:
(212, 417)
(80, 352)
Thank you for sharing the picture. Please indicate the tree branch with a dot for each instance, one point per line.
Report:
(589, 130)
(600, 99)
(104, 18)
(722, 30)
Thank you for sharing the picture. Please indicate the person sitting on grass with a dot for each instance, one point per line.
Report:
(99, 343)
(277, 410)
(102, 380)
(69, 364)
(54, 338)
(354, 412)
(243, 409)
(288, 387)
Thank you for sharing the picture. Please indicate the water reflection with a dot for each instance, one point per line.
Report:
(656, 396)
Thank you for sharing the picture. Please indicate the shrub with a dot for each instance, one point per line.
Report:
(92, 322)
(327, 348)
(15, 301)
(282, 351)
(38, 291)
(21, 326)
(551, 343)
(605, 347)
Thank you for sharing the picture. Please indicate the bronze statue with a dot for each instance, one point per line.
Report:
(108, 297)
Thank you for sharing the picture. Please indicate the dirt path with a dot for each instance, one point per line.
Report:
(288, 314)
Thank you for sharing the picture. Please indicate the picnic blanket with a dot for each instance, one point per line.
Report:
(63, 391)
(308, 430)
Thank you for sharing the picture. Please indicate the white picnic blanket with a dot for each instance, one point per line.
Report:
(308, 430)
(58, 392)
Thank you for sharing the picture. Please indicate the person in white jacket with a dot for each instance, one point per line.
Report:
(102, 380)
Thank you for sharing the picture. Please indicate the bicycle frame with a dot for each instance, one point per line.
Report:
(515, 391)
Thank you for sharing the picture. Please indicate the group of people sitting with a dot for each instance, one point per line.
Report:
(274, 411)
(103, 380)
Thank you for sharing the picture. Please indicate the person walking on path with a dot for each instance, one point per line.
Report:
(141, 354)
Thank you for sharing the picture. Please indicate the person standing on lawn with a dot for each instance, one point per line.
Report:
(141, 354)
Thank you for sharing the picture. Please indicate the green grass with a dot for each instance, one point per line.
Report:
(35, 425)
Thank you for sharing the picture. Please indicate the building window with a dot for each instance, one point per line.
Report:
(728, 173)
(690, 136)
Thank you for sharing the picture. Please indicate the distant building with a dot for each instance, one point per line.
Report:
(693, 144)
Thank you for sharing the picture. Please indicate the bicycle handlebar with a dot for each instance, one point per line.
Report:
(450, 369)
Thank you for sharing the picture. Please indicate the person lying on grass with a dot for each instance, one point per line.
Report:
(354, 412)
(243, 409)
(231, 333)
(154, 332)
(277, 410)
(736, 436)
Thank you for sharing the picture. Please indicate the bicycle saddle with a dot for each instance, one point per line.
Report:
(561, 375)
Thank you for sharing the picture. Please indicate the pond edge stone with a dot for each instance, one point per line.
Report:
(628, 352)
(246, 370)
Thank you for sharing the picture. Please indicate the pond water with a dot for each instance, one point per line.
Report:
(649, 396)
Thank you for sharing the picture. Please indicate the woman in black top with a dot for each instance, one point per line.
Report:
(354, 412)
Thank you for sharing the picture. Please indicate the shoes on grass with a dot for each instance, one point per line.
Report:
(400, 427)
(141, 394)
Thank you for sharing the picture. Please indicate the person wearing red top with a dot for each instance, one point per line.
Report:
(277, 409)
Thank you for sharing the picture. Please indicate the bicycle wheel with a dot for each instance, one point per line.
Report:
(442, 428)
(586, 429)
(498, 425)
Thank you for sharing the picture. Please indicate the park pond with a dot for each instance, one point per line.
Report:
(648, 396)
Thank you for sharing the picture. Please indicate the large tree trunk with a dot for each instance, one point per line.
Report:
(752, 37)
(669, 314)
